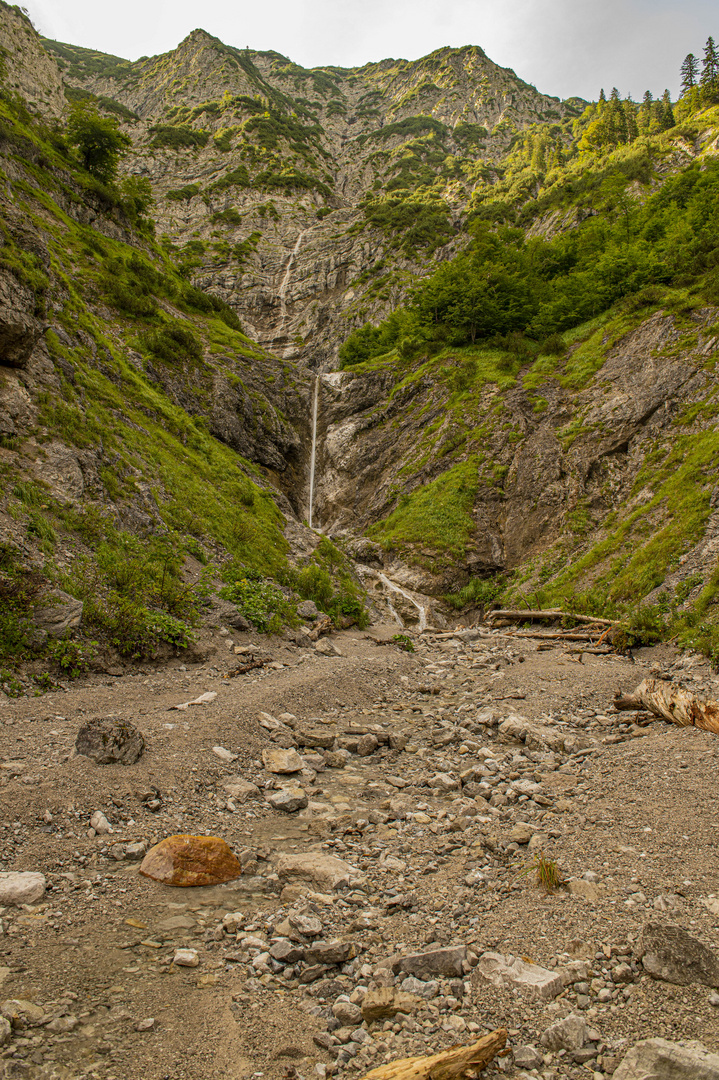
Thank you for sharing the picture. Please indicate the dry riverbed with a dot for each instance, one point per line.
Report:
(415, 777)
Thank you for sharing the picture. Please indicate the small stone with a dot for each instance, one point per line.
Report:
(521, 833)
(586, 889)
(281, 761)
(145, 1025)
(349, 1015)
(100, 824)
(186, 958)
(223, 754)
(240, 789)
(570, 1033)
(307, 925)
(323, 871)
(289, 800)
(135, 851)
(367, 745)
(325, 647)
(527, 1057)
(21, 887)
(419, 988)
(108, 741)
(186, 861)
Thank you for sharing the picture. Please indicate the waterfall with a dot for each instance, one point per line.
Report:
(282, 292)
(401, 592)
(313, 454)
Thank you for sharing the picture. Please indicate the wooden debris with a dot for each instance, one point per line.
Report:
(457, 1063)
(674, 704)
(517, 615)
(244, 668)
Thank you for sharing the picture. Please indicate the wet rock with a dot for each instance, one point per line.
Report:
(282, 761)
(187, 861)
(288, 800)
(570, 1033)
(21, 887)
(448, 962)
(671, 954)
(108, 741)
(535, 982)
(57, 613)
(323, 871)
(658, 1059)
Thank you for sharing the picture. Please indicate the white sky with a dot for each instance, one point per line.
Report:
(564, 47)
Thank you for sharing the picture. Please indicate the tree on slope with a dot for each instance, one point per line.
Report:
(98, 140)
(689, 73)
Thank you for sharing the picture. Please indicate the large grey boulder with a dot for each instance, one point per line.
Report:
(21, 887)
(109, 741)
(671, 954)
(657, 1059)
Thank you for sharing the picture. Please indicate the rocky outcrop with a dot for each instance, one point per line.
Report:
(28, 70)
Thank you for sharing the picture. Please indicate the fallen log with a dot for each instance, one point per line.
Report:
(550, 613)
(244, 668)
(457, 1063)
(674, 704)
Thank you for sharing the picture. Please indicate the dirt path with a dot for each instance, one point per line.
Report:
(442, 821)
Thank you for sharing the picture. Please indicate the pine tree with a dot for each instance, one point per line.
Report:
(644, 116)
(689, 72)
(630, 119)
(668, 120)
(602, 98)
(710, 71)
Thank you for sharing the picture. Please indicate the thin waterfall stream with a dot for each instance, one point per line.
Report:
(313, 453)
(282, 291)
(393, 587)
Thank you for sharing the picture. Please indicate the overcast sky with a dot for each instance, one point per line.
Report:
(564, 47)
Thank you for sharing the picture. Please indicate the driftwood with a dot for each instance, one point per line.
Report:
(457, 1063)
(664, 699)
(551, 613)
(244, 668)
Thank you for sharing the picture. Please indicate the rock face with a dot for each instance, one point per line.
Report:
(29, 70)
(21, 887)
(58, 613)
(19, 329)
(657, 1059)
(187, 861)
(110, 741)
(671, 954)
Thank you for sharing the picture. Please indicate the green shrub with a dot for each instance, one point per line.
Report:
(174, 342)
(478, 592)
(183, 194)
(261, 601)
(73, 655)
(178, 137)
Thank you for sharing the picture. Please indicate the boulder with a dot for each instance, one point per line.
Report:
(527, 1057)
(327, 648)
(22, 1014)
(330, 952)
(322, 871)
(658, 1059)
(282, 761)
(448, 962)
(108, 741)
(367, 745)
(308, 609)
(186, 861)
(671, 954)
(5, 1031)
(349, 1015)
(535, 982)
(57, 612)
(21, 887)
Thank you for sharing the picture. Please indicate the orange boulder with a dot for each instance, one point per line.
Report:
(185, 861)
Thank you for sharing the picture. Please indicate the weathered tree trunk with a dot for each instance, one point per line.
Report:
(553, 613)
(458, 1063)
(664, 699)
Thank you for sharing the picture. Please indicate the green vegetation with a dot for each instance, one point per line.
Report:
(98, 139)
(178, 137)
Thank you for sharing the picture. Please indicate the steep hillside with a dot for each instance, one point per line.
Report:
(271, 180)
(467, 330)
